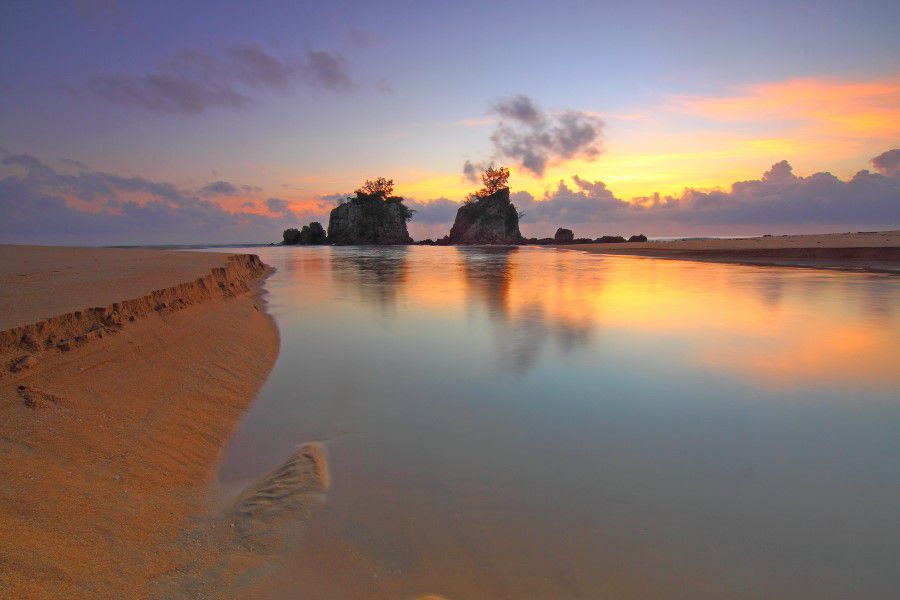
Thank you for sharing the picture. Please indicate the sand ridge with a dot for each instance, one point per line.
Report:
(39, 282)
(67, 331)
(107, 447)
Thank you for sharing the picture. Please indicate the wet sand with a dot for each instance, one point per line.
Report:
(112, 420)
(861, 251)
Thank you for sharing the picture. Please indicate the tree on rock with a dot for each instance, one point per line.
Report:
(494, 180)
(380, 186)
(487, 216)
(373, 215)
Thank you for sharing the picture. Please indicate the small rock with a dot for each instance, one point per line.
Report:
(23, 362)
(564, 236)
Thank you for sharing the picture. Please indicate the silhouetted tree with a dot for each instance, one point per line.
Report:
(377, 187)
(375, 194)
(494, 180)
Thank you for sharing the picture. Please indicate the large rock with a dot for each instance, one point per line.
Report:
(312, 234)
(369, 220)
(564, 236)
(489, 220)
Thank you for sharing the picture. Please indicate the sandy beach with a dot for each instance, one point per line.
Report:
(864, 251)
(112, 418)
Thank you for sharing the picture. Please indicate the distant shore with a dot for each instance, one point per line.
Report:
(862, 251)
(113, 418)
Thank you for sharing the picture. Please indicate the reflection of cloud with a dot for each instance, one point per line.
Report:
(768, 328)
(820, 354)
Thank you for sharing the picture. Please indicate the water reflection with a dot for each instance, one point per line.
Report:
(520, 329)
(533, 423)
(771, 326)
(376, 275)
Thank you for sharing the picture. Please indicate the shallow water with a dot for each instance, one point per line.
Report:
(534, 423)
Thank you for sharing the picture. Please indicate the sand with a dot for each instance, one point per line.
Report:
(863, 251)
(37, 282)
(112, 420)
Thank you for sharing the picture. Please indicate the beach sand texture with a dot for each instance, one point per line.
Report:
(108, 438)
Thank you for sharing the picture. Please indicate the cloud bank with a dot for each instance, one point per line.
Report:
(888, 163)
(193, 82)
(779, 202)
(39, 204)
(532, 138)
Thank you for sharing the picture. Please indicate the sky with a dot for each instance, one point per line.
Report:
(156, 122)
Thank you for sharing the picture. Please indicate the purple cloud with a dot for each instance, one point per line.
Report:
(532, 138)
(35, 208)
(193, 82)
(779, 200)
(888, 163)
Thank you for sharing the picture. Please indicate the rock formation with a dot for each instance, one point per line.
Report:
(491, 219)
(564, 236)
(610, 239)
(312, 234)
(369, 220)
(638, 238)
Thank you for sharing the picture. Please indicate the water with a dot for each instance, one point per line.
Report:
(534, 423)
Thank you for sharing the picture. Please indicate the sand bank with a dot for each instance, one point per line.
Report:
(109, 432)
(863, 251)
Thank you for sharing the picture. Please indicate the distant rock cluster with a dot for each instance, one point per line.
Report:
(375, 217)
(311, 235)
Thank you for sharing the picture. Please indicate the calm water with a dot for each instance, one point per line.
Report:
(533, 423)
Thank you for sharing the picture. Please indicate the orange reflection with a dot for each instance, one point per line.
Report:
(771, 326)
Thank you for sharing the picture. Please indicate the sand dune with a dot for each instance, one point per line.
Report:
(107, 445)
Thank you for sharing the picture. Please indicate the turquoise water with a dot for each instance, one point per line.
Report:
(536, 423)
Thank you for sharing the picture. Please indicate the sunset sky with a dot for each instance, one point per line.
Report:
(155, 122)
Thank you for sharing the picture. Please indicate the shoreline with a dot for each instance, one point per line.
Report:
(111, 427)
(872, 252)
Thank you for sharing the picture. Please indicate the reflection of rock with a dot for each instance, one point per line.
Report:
(564, 236)
(312, 234)
(522, 331)
(489, 220)
(488, 274)
(376, 274)
(369, 220)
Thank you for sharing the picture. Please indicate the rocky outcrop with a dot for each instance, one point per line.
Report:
(638, 238)
(564, 236)
(610, 239)
(369, 220)
(67, 331)
(489, 220)
(312, 234)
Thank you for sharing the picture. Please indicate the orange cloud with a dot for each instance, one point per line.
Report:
(832, 107)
